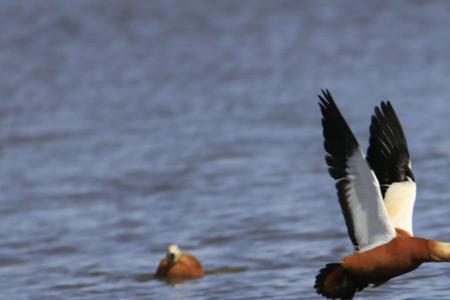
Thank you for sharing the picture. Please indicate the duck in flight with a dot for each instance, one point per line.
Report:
(376, 194)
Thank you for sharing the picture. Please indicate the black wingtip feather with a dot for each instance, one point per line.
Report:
(339, 285)
(339, 143)
(322, 276)
(388, 153)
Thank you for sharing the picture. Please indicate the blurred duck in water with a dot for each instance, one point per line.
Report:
(178, 266)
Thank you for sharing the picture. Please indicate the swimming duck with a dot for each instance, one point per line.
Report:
(179, 265)
(376, 195)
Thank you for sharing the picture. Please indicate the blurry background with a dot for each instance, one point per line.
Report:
(129, 125)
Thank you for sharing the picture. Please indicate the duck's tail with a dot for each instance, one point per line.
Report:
(335, 283)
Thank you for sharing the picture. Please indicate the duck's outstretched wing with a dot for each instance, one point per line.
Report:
(358, 190)
(388, 156)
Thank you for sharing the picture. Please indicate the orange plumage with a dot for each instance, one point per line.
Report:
(179, 265)
(377, 196)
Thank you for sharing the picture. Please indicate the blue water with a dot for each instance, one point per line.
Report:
(129, 125)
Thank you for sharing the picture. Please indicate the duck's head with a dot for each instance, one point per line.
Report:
(173, 253)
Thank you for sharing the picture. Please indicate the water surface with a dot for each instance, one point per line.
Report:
(129, 125)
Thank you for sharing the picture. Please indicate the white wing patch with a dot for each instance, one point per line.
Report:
(371, 224)
(399, 200)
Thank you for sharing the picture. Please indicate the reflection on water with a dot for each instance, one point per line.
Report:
(129, 126)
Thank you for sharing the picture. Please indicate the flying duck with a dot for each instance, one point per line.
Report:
(376, 194)
(178, 266)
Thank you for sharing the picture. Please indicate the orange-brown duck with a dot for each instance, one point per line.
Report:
(376, 195)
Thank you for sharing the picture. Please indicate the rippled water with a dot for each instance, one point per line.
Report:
(129, 125)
